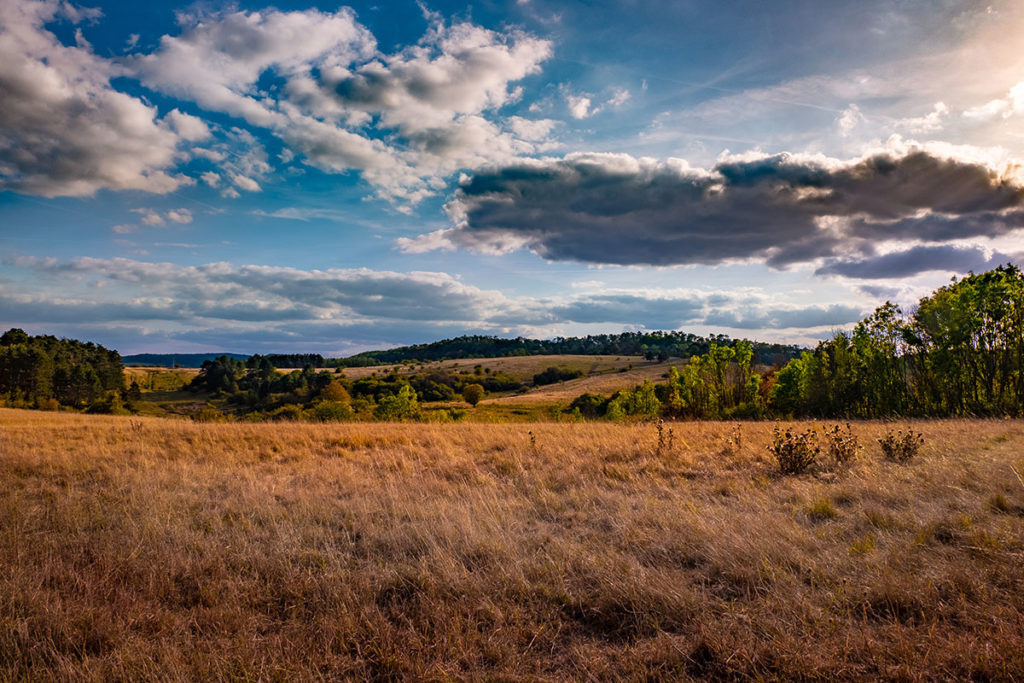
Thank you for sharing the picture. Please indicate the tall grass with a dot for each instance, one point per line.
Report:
(181, 551)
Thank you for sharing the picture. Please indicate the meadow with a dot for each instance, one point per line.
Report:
(135, 547)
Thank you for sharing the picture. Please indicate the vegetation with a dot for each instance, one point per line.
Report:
(146, 549)
(472, 393)
(553, 374)
(960, 352)
(651, 345)
(46, 372)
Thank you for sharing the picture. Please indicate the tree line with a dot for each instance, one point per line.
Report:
(651, 345)
(47, 372)
(958, 352)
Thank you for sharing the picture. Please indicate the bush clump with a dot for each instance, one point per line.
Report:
(795, 453)
(553, 375)
(842, 443)
(901, 446)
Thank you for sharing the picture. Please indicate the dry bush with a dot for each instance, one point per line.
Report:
(794, 452)
(843, 444)
(174, 550)
(901, 446)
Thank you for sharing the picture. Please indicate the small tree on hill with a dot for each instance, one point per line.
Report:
(472, 393)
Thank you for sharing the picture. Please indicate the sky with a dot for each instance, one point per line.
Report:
(333, 178)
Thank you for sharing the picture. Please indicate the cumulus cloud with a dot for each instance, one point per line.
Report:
(1001, 108)
(405, 120)
(154, 219)
(929, 123)
(579, 106)
(63, 129)
(188, 127)
(850, 119)
(316, 80)
(780, 209)
(179, 216)
(582, 106)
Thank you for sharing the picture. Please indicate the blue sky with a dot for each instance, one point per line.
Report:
(332, 178)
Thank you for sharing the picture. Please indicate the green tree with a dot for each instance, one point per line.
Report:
(472, 393)
(401, 406)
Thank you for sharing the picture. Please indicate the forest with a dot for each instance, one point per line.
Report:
(47, 372)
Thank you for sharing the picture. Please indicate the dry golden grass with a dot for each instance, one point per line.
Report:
(606, 383)
(157, 549)
(522, 367)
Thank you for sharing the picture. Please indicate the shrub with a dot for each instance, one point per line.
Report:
(589, 405)
(49, 404)
(553, 374)
(401, 406)
(209, 413)
(901, 446)
(795, 453)
(332, 411)
(334, 391)
(842, 444)
(289, 412)
(472, 393)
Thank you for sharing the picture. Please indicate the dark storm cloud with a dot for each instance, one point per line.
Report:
(782, 209)
(919, 259)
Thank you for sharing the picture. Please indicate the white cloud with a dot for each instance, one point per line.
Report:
(179, 216)
(1002, 108)
(405, 120)
(850, 119)
(246, 183)
(63, 129)
(579, 106)
(150, 217)
(188, 127)
(929, 123)
(582, 106)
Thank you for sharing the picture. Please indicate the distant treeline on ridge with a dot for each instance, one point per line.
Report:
(651, 345)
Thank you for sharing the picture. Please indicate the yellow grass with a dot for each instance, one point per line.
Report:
(156, 549)
(521, 367)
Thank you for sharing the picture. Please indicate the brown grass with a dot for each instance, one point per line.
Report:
(521, 367)
(156, 549)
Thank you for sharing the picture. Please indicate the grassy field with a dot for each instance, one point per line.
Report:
(161, 549)
(520, 367)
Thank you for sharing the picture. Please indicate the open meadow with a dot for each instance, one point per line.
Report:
(165, 549)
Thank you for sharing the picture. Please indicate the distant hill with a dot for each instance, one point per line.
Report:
(185, 360)
(651, 345)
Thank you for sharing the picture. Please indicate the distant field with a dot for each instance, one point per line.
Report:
(158, 378)
(140, 548)
(521, 367)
